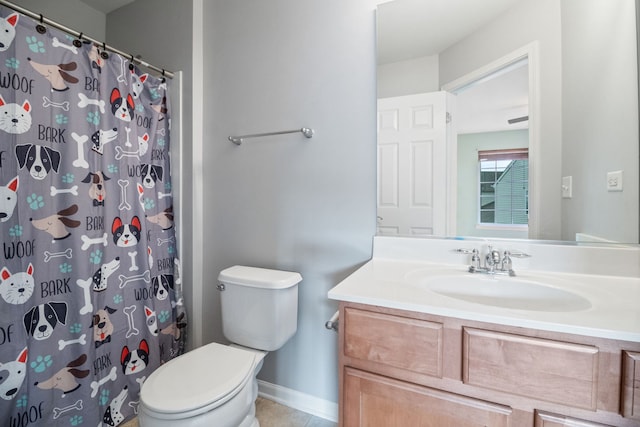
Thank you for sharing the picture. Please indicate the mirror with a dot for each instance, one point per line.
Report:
(582, 109)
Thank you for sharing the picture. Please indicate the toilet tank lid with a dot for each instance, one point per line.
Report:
(259, 277)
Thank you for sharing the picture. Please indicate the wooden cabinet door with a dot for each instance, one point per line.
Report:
(631, 385)
(546, 419)
(375, 401)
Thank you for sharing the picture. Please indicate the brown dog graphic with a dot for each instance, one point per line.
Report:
(65, 378)
(57, 224)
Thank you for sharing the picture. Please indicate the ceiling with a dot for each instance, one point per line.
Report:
(407, 27)
(106, 6)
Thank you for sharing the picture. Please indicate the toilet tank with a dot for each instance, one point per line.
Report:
(259, 306)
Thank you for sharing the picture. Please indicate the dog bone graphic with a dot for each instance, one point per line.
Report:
(88, 241)
(86, 287)
(80, 162)
(57, 43)
(128, 311)
(67, 254)
(124, 205)
(62, 343)
(46, 102)
(73, 190)
(128, 143)
(121, 76)
(134, 266)
(124, 280)
(163, 241)
(85, 102)
(59, 411)
(95, 385)
(120, 153)
(162, 195)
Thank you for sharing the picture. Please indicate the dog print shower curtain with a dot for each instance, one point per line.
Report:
(90, 298)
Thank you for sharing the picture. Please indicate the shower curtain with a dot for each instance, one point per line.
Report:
(90, 294)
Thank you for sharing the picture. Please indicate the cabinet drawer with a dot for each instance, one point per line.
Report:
(374, 400)
(631, 385)
(409, 344)
(546, 419)
(542, 369)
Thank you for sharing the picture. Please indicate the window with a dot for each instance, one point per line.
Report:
(504, 186)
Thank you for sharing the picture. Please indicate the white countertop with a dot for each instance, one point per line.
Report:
(614, 311)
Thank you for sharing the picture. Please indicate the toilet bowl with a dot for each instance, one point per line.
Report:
(216, 385)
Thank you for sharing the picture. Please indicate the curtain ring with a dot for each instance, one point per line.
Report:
(104, 53)
(78, 42)
(41, 28)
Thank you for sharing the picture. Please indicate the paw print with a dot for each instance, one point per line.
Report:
(171, 250)
(140, 108)
(12, 63)
(65, 268)
(35, 201)
(22, 401)
(104, 397)
(75, 328)
(154, 93)
(41, 363)
(112, 168)
(149, 203)
(61, 119)
(163, 316)
(68, 178)
(35, 45)
(15, 231)
(76, 420)
(93, 118)
(161, 142)
(167, 186)
(117, 299)
(96, 257)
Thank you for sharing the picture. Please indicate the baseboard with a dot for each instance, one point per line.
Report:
(300, 401)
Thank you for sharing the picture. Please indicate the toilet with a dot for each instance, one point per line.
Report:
(216, 384)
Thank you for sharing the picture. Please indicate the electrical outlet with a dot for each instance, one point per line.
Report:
(614, 181)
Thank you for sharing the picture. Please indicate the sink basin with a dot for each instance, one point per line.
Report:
(500, 291)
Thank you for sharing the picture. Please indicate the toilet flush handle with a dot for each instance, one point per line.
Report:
(220, 286)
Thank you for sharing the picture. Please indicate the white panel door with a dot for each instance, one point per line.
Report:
(412, 165)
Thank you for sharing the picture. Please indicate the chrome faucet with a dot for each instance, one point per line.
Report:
(494, 262)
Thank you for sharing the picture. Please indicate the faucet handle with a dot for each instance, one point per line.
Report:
(465, 251)
(507, 265)
(518, 254)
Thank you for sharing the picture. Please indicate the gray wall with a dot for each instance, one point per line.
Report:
(71, 13)
(288, 202)
(600, 118)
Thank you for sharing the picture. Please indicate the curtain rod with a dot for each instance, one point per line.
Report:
(79, 35)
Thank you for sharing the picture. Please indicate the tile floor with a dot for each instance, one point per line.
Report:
(272, 414)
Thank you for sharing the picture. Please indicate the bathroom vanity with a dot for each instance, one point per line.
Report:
(411, 354)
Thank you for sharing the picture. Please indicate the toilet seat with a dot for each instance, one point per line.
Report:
(182, 388)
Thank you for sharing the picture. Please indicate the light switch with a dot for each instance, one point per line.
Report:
(614, 181)
(567, 187)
